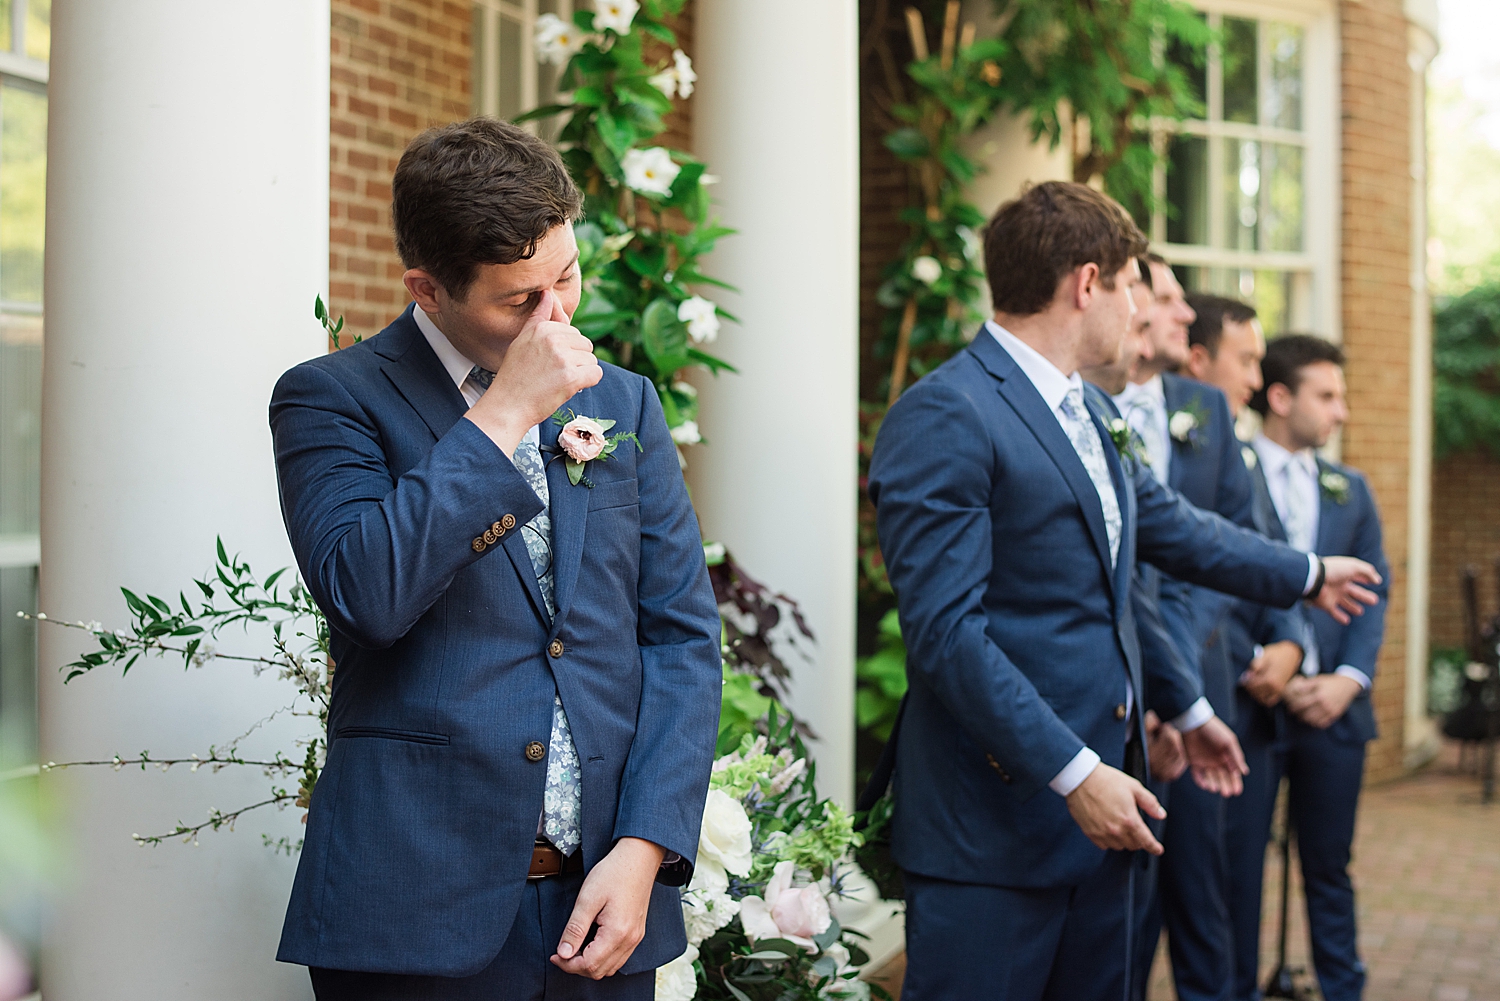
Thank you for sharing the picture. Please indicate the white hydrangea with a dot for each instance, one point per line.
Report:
(701, 317)
(557, 40)
(615, 15)
(686, 433)
(650, 171)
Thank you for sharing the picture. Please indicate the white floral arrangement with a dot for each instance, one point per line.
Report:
(771, 859)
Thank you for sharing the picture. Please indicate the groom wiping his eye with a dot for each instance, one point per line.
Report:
(526, 693)
(1012, 503)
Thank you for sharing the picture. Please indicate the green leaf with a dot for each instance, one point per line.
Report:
(908, 144)
(830, 935)
(545, 111)
(591, 96)
(605, 423)
(648, 262)
(664, 337)
(223, 556)
(777, 945)
(768, 957)
(617, 133)
(575, 471)
(738, 994)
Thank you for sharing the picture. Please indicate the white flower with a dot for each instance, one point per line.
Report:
(856, 989)
(725, 837)
(665, 81)
(677, 980)
(1181, 424)
(1248, 454)
(701, 317)
(203, 655)
(926, 269)
(94, 627)
(797, 914)
(676, 80)
(614, 15)
(705, 912)
(686, 433)
(557, 40)
(713, 551)
(1118, 426)
(650, 171)
(686, 389)
(788, 774)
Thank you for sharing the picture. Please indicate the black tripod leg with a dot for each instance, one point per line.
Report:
(1281, 984)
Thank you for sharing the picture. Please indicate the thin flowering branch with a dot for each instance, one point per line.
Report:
(215, 761)
(217, 819)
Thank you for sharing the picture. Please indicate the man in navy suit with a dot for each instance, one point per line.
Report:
(527, 688)
(1011, 507)
(1325, 508)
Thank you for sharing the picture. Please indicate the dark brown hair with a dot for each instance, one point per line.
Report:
(1034, 241)
(1286, 357)
(1213, 312)
(481, 191)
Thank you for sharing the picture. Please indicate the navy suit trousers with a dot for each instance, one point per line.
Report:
(1070, 943)
(1324, 775)
(523, 970)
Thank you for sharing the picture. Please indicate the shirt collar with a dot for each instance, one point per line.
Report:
(1152, 387)
(1276, 458)
(1048, 379)
(456, 365)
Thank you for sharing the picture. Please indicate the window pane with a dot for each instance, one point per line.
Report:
(1193, 62)
(1283, 203)
(6, 43)
(20, 424)
(1284, 94)
(1240, 71)
(1241, 194)
(508, 61)
(39, 29)
(1187, 190)
(17, 667)
(23, 186)
(1282, 299)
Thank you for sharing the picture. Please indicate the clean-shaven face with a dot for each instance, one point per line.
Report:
(1317, 409)
(1236, 368)
(1170, 317)
(503, 296)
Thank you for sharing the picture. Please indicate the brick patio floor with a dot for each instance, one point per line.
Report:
(1427, 872)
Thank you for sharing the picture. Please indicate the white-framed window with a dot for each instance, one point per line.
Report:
(1251, 189)
(508, 79)
(25, 41)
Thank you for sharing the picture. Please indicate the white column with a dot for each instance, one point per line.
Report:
(776, 118)
(187, 234)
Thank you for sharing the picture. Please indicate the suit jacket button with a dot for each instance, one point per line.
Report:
(508, 522)
(1004, 775)
(478, 545)
(556, 648)
(1120, 711)
(536, 751)
(498, 529)
(489, 536)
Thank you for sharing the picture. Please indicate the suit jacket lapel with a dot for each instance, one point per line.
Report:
(1032, 409)
(1266, 518)
(570, 511)
(419, 377)
(1124, 497)
(1328, 510)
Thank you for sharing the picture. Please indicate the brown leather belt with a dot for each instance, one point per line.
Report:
(546, 861)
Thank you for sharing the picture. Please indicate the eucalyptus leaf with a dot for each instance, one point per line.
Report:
(575, 471)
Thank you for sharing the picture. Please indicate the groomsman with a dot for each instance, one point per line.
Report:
(1325, 508)
(1188, 431)
(1011, 508)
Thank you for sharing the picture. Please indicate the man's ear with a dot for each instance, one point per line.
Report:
(1198, 361)
(1279, 399)
(1087, 277)
(423, 288)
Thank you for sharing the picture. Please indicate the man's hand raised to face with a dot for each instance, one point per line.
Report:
(1107, 806)
(544, 366)
(1342, 594)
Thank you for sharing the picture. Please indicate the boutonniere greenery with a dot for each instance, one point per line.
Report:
(1186, 423)
(587, 439)
(1127, 442)
(1335, 485)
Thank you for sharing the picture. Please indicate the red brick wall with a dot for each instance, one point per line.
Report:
(1377, 303)
(1465, 530)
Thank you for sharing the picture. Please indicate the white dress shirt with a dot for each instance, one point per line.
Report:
(1144, 407)
(1292, 479)
(457, 366)
(1052, 385)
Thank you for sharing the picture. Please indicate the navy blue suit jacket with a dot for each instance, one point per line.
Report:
(1347, 527)
(1021, 638)
(421, 827)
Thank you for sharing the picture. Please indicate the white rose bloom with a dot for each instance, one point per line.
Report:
(725, 838)
(677, 981)
(701, 317)
(926, 269)
(686, 77)
(557, 40)
(650, 171)
(614, 15)
(709, 878)
(686, 433)
(1182, 424)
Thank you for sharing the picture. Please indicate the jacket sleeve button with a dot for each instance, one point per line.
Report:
(536, 751)
(489, 536)
(508, 522)
(498, 529)
(1120, 711)
(555, 648)
(478, 545)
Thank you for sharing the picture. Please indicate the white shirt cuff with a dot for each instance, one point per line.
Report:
(1197, 714)
(1350, 671)
(1312, 574)
(1071, 777)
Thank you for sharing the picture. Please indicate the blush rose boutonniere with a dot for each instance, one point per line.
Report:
(587, 439)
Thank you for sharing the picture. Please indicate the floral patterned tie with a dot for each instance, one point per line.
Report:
(562, 802)
(1085, 439)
